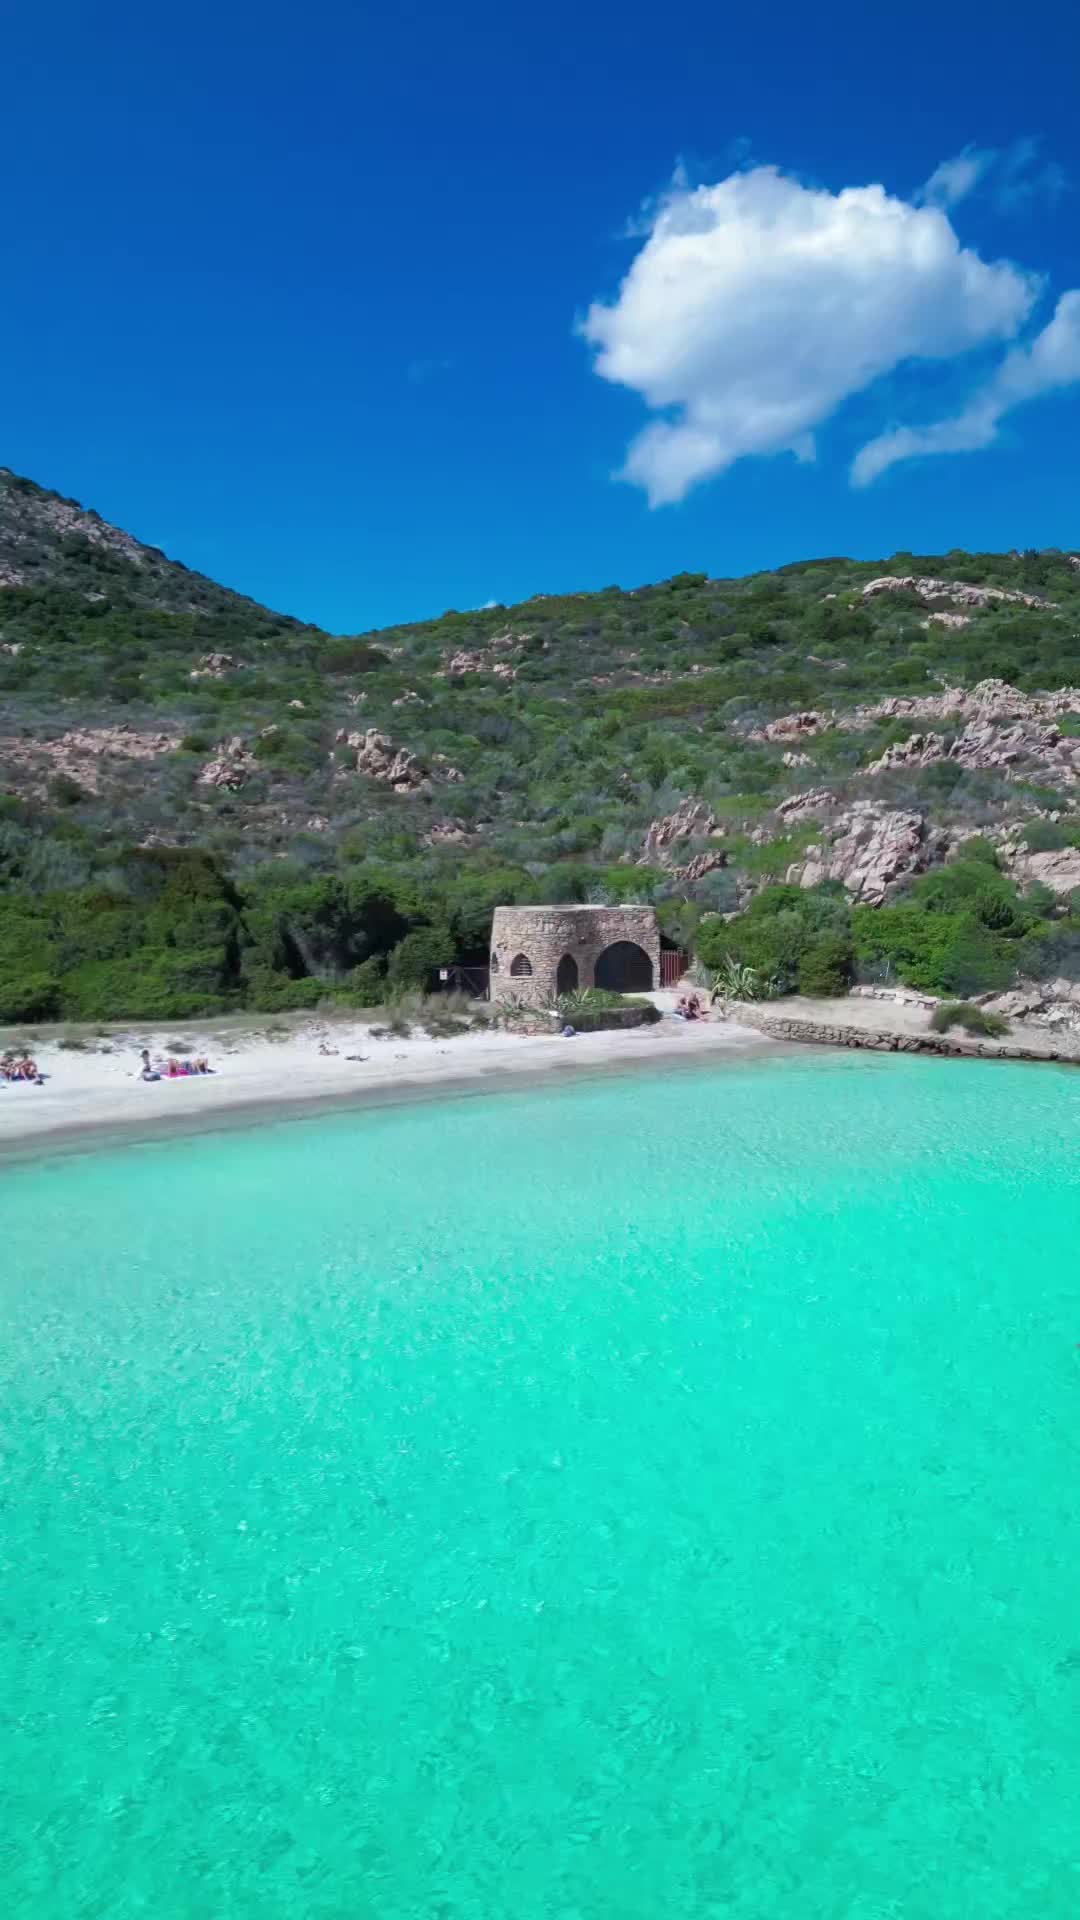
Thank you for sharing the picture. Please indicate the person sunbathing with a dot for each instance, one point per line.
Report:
(22, 1067)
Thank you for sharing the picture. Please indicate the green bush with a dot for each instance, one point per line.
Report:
(27, 996)
(974, 1020)
(827, 966)
(416, 960)
(783, 926)
(613, 1019)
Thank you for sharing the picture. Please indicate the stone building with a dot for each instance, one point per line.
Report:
(540, 952)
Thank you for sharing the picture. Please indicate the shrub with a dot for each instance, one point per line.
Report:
(352, 656)
(590, 1000)
(976, 1020)
(733, 981)
(28, 996)
(64, 791)
(827, 966)
(974, 961)
(416, 960)
(639, 1013)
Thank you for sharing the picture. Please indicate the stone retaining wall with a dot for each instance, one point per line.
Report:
(873, 1040)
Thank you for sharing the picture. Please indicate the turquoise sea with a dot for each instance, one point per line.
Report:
(654, 1498)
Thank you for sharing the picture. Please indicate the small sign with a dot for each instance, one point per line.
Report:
(444, 973)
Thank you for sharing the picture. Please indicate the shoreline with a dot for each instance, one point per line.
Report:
(270, 1081)
(94, 1099)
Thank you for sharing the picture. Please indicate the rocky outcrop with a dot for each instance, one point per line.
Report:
(82, 754)
(806, 806)
(466, 661)
(1027, 745)
(482, 659)
(30, 512)
(960, 591)
(793, 760)
(379, 759)
(215, 666)
(870, 849)
(1049, 1003)
(231, 767)
(794, 726)
(946, 620)
(445, 833)
(692, 820)
(999, 728)
(446, 771)
(1059, 870)
(986, 700)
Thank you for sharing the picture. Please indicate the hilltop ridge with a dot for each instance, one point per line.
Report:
(834, 721)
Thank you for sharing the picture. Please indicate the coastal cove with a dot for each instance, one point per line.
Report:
(92, 1097)
(641, 1493)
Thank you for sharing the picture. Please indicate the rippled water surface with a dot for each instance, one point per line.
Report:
(656, 1497)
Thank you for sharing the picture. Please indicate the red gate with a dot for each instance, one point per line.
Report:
(673, 964)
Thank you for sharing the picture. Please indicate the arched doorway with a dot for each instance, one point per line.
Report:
(566, 977)
(624, 967)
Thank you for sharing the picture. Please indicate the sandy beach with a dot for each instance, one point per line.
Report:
(93, 1085)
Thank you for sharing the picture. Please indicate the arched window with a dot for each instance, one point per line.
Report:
(494, 961)
(520, 964)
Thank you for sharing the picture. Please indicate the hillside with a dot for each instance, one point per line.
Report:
(170, 749)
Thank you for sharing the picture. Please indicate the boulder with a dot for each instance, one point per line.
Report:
(231, 766)
(214, 666)
(794, 726)
(805, 806)
(869, 849)
(692, 819)
(379, 759)
(1058, 870)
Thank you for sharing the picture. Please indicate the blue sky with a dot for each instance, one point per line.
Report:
(329, 301)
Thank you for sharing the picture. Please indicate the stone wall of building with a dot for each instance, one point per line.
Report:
(545, 936)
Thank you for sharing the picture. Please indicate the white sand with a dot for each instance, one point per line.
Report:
(97, 1088)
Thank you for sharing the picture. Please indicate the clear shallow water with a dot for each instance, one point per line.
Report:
(656, 1497)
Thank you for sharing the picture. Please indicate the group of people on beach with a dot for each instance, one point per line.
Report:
(690, 1008)
(172, 1069)
(20, 1066)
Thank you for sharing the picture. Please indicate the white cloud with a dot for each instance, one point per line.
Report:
(1015, 176)
(1021, 176)
(755, 307)
(954, 179)
(1050, 361)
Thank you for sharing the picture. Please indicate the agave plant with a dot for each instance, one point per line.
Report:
(734, 981)
(587, 1000)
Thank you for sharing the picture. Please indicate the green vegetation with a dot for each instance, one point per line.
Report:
(733, 980)
(974, 1020)
(596, 1010)
(961, 929)
(544, 740)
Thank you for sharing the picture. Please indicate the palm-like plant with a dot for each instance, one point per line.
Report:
(735, 981)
